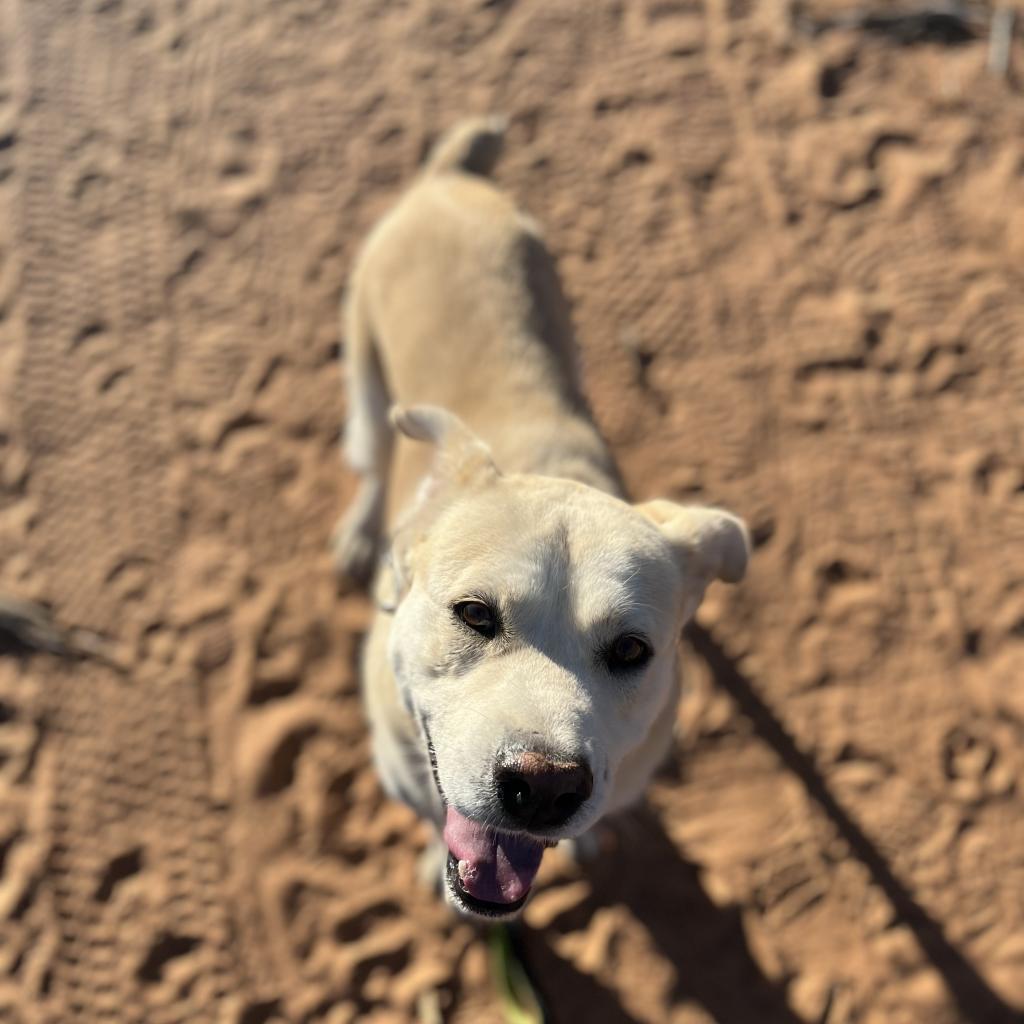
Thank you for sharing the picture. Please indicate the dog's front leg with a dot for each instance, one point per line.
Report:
(432, 864)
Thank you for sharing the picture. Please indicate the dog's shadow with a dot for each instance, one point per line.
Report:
(704, 943)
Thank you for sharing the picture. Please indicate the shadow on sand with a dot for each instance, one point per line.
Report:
(975, 1000)
(706, 943)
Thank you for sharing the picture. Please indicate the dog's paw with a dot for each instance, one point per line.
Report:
(354, 545)
(581, 850)
(589, 848)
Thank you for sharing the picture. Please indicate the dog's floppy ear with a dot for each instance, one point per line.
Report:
(462, 458)
(708, 541)
(463, 462)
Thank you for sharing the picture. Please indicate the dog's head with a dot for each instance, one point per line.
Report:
(534, 640)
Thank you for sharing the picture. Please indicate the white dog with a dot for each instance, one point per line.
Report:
(521, 675)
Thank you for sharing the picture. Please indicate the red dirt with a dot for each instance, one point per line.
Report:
(798, 272)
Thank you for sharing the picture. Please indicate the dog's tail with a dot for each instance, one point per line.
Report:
(472, 145)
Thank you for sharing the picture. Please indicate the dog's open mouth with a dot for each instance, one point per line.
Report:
(489, 873)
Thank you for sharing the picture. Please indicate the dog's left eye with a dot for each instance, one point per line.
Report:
(628, 652)
(478, 617)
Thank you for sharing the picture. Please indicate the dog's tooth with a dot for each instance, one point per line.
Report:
(467, 872)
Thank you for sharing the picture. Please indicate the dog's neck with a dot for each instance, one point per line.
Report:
(583, 467)
(572, 449)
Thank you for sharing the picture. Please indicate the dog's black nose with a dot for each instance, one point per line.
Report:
(537, 791)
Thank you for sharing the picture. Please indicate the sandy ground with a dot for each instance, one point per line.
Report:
(796, 253)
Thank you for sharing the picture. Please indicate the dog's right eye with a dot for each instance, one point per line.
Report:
(628, 652)
(478, 617)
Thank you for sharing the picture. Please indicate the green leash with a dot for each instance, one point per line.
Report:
(520, 1001)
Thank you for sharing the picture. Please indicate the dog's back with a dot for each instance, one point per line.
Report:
(459, 300)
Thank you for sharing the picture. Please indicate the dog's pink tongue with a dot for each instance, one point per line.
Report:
(493, 866)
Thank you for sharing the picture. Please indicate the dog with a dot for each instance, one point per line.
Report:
(520, 675)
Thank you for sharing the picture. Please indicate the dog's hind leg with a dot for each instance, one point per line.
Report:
(367, 447)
